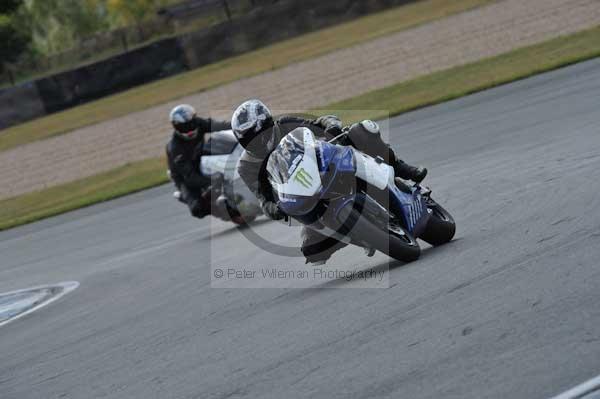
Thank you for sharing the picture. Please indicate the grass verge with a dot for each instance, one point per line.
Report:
(253, 63)
(53, 201)
(420, 92)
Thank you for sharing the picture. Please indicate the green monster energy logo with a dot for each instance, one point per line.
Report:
(304, 178)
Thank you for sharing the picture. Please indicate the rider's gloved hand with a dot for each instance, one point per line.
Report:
(333, 131)
(327, 121)
(271, 210)
(331, 124)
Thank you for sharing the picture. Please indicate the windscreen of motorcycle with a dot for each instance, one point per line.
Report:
(294, 172)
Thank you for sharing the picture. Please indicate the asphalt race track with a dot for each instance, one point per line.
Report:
(510, 309)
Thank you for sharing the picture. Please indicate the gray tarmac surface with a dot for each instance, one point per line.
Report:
(510, 309)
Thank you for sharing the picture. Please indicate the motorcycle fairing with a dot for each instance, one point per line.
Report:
(303, 176)
(219, 143)
(225, 164)
(299, 155)
(303, 168)
(412, 206)
(335, 158)
(294, 172)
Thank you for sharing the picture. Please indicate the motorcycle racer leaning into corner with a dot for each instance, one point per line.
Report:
(184, 150)
(259, 133)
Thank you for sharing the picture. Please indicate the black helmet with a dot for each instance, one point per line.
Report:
(252, 125)
(183, 119)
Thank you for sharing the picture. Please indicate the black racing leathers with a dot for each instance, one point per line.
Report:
(183, 158)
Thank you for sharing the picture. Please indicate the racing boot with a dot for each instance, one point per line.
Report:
(408, 172)
(404, 170)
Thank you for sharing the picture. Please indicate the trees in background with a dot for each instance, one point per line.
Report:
(9, 6)
(14, 40)
(32, 32)
(133, 12)
(57, 25)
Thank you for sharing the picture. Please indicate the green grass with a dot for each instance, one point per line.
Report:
(427, 90)
(124, 180)
(249, 64)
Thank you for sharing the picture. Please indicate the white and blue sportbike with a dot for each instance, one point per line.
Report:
(346, 194)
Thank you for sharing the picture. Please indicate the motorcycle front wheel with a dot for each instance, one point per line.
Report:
(440, 227)
(387, 237)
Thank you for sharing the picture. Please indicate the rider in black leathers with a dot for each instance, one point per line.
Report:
(184, 151)
(259, 133)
